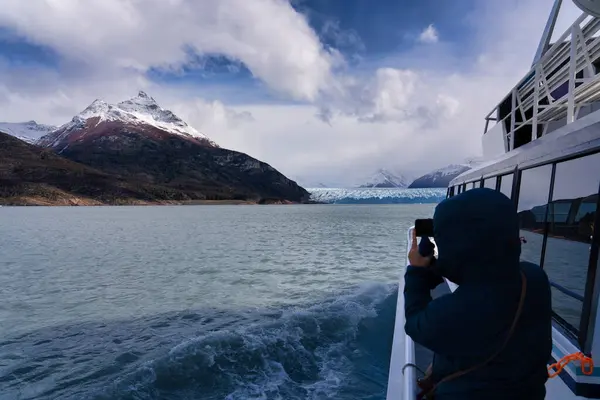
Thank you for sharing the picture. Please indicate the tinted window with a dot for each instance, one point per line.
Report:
(506, 183)
(571, 217)
(490, 183)
(533, 198)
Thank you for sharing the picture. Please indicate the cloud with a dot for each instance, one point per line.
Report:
(268, 36)
(429, 35)
(414, 110)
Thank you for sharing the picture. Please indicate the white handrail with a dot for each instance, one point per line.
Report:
(410, 374)
(402, 381)
(402, 384)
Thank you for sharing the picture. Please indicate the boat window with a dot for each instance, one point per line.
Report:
(571, 217)
(490, 183)
(506, 183)
(532, 204)
(464, 187)
(473, 185)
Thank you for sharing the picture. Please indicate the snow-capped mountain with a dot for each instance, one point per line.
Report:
(383, 178)
(139, 113)
(29, 132)
(440, 178)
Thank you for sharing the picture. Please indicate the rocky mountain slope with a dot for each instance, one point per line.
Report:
(138, 142)
(31, 175)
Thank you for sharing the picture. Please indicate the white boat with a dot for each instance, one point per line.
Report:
(543, 146)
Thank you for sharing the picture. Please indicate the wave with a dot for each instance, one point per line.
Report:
(323, 351)
(338, 348)
(377, 196)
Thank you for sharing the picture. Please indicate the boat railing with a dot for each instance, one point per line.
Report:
(402, 382)
(566, 291)
(564, 80)
(409, 373)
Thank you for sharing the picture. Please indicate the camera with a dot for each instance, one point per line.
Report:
(424, 227)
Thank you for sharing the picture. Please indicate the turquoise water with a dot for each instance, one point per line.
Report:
(200, 302)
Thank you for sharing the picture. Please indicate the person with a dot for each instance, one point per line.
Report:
(479, 246)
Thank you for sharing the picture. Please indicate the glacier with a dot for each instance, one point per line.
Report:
(376, 195)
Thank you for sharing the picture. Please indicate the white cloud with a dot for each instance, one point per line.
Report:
(418, 113)
(274, 41)
(429, 35)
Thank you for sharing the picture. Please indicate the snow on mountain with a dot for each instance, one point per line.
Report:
(141, 110)
(383, 178)
(440, 178)
(29, 132)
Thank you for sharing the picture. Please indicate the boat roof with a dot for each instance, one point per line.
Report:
(579, 137)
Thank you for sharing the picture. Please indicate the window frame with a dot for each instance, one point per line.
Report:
(495, 177)
(581, 336)
(513, 195)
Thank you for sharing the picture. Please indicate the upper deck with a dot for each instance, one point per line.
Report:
(562, 86)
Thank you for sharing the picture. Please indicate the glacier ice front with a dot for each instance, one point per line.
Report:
(377, 195)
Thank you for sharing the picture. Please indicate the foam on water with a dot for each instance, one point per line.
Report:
(377, 195)
(336, 348)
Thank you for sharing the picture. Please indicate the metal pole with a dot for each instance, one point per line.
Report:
(513, 117)
(536, 102)
(548, 30)
(572, 73)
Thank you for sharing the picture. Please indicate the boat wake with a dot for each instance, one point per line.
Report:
(336, 348)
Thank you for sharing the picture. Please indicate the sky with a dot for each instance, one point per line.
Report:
(326, 91)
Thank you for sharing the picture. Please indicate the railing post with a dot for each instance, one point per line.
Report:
(513, 116)
(536, 101)
(572, 74)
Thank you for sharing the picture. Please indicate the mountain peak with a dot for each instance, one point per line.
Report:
(29, 131)
(140, 111)
(440, 178)
(384, 178)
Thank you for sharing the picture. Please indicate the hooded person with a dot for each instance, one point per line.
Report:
(479, 246)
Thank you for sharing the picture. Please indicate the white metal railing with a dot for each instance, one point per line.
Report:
(409, 389)
(573, 53)
(402, 380)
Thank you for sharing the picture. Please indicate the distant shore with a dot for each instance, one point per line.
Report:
(86, 202)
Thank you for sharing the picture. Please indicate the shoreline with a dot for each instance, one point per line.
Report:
(83, 202)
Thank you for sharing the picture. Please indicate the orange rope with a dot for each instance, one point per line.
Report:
(587, 364)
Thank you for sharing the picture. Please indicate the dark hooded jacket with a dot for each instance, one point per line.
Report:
(477, 235)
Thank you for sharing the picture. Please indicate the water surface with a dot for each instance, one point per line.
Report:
(199, 302)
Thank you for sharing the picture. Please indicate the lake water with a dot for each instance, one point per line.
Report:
(200, 302)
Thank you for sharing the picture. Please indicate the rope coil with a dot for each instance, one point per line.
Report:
(587, 364)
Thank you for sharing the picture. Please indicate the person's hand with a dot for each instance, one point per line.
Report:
(414, 257)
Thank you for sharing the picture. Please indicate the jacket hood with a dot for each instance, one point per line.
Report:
(477, 235)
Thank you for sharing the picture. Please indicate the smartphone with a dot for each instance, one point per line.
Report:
(424, 227)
